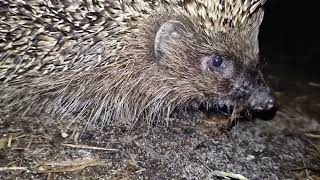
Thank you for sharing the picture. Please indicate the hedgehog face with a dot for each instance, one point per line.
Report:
(219, 68)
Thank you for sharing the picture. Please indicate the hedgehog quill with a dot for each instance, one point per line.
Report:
(120, 62)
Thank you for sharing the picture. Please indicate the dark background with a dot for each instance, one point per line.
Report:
(289, 38)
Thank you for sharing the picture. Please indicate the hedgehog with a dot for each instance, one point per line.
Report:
(119, 62)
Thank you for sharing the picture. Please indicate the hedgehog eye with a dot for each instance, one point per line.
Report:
(215, 61)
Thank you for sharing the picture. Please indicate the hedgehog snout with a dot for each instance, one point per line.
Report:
(262, 99)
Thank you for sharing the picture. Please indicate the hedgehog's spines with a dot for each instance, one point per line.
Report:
(87, 56)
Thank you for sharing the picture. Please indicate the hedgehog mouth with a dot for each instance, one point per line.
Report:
(210, 107)
(230, 108)
(213, 108)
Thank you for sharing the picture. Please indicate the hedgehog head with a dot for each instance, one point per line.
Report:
(211, 50)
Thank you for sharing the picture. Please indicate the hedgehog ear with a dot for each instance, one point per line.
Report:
(167, 33)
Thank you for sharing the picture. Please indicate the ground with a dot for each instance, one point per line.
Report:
(285, 147)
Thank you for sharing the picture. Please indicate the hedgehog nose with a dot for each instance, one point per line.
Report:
(267, 102)
(262, 99)
(270, 103)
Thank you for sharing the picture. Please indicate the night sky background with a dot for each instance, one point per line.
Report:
(289, 38)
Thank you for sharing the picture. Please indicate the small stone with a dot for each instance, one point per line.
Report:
(64, 134)
(250, 157)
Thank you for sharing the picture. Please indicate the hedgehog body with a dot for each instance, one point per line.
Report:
(123, 61)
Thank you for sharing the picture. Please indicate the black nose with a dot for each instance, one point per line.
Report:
(262, 99)
(267, 108)
(270, 103)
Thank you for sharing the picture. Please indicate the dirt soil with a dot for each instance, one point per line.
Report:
(286, 147)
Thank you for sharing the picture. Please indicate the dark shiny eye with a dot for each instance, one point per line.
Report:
(215, 61)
